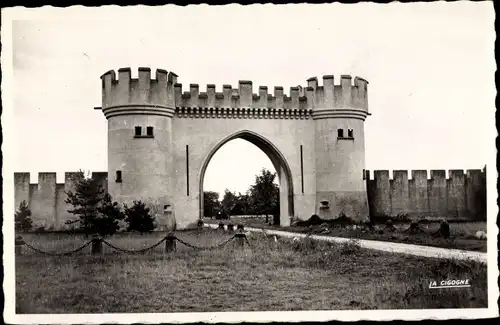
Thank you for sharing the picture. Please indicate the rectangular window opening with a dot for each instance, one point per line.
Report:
(340, 133)
(350, 133)
(138, 131)
(149, 131)
(118, 176)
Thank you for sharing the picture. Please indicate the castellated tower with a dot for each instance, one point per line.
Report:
(161, 140)
(139, 113)
(339, 112)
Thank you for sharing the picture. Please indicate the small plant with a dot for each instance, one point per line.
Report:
(138, 218)
(389, 226)
(350, 247)
(305, 245)
(22, 218)
(342, 221)
(40, 229)
(402, 217)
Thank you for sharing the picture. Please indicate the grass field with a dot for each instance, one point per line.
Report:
(462, 234)
(266, 275)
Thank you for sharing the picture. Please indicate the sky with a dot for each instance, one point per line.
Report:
(430, 67)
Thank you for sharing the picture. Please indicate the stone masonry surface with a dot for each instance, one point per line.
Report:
(161, 139)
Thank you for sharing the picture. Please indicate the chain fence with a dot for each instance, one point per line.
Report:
(133, 251)
(170, 240)
(73, 252)
(208, 247)
(98, 241)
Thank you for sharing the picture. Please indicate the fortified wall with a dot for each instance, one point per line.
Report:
(46, 199)
(455, 197)
(161, 139)
(462, 195)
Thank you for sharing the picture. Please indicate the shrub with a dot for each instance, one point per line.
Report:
(40, 229)
(138, 218)
(350, 248)
(110, 213)
(22, 218)
(304, 245)
(341, 221)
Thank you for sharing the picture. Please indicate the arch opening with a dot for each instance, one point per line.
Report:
(283, 172)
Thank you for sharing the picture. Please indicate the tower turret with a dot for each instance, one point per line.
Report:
(139, 113)
(339, 112)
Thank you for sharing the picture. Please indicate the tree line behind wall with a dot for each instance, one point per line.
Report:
(262, 198)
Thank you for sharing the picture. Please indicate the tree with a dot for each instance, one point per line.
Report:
(111, 214)
(228, 202)
(242, 205)
(264, 194)
(138, 218)
(210, 203)
(93, 206)
(22, 218)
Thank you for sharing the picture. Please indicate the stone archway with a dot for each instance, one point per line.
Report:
(282, 168)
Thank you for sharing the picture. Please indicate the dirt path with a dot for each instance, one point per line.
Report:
(417, 250)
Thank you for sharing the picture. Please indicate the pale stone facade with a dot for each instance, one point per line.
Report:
(299, 133)
(320, 170)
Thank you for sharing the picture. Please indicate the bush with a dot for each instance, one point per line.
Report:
(341, 221)
(304, 245)
(40, 229)
(138, 218)
(22, 218)
(350, 248)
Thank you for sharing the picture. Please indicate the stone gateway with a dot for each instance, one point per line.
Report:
(161, 140)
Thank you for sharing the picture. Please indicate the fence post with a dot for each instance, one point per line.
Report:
(199, 226)
(170, 243)
(19, 245)
(96, 245)
(221, 226)
(230, 227)
(444, 229)
(240, 239)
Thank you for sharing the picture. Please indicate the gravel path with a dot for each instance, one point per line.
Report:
(417, 250)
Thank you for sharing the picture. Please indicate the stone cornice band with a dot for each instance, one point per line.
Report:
(275, 113)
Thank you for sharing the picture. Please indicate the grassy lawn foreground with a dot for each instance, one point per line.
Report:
(308, 275)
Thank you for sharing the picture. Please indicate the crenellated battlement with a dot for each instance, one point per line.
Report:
(142, 95)
(427, 194)
(162, 95)
(423, 174)
(348, 93)
(242, 97)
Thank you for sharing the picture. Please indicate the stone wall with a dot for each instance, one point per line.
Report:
(458, 196)
(455, 197)
(46, 198)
